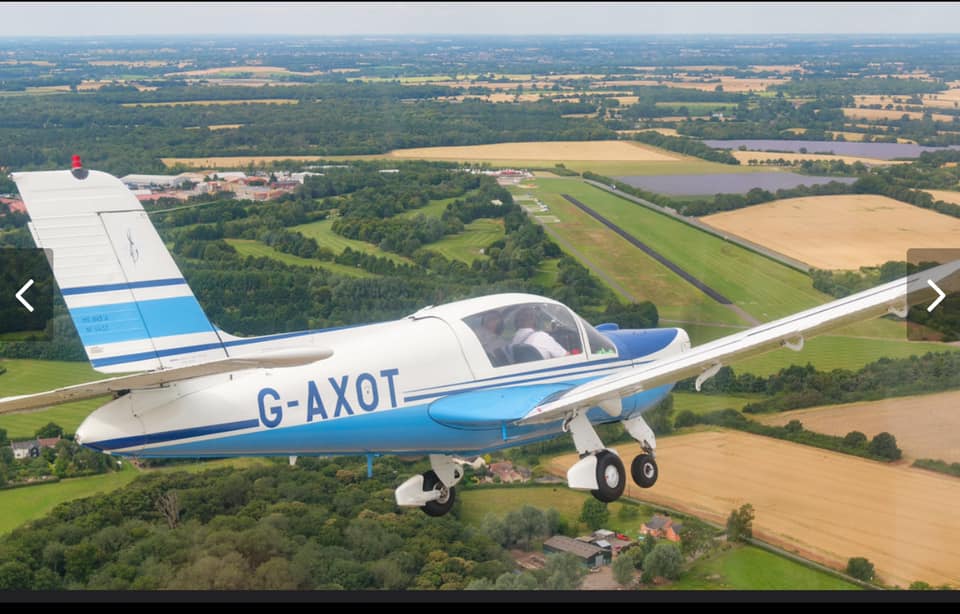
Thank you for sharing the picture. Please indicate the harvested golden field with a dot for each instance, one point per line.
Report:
(863, 229)
(746, 156)
(822, 505)
(207, 103)
(234, 161)
(885, 115)
(543, 150)
(945, 195)
(925, 426)
(254, 70)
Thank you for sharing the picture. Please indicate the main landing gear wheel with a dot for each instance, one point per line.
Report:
(611, 477)
(442, 504)
(644, 470)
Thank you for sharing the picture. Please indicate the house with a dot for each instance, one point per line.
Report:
(661, 526)
(508, 473)
(591, 555)
(25, 449)
(14, 204)
(48, 442)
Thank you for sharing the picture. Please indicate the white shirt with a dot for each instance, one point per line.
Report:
(544, 342)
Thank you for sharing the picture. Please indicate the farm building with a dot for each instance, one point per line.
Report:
(591, 555)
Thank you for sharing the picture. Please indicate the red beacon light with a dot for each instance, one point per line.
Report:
(76, 168)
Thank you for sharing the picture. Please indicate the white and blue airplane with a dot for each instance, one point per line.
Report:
(452, 381)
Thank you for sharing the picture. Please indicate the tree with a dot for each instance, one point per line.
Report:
(665, 561)
(855, 439)
(594, 514)
(884, 445)
(51, 430)
(563, 572)
(623, 570)
(860, 568)
(169, 507)
(740, 523)
(794, 426)
(15, 576)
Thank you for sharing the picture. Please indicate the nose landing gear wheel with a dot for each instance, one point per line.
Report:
(611, 477)
(644, 470)
(444, 503)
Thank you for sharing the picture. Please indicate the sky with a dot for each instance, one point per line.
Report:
(340, 18)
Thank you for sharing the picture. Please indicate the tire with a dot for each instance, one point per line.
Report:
(611, 477)
(437, 507)
(644, 470)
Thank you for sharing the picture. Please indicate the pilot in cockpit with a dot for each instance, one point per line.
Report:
(528, 334)
(490, 334)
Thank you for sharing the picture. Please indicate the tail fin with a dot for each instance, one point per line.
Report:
(128, 299)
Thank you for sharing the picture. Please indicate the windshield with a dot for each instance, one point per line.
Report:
(526, 333)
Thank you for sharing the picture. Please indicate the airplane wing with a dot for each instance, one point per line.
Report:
(285, 358)
(703, 361)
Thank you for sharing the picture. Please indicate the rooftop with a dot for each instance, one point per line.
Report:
(578, 548)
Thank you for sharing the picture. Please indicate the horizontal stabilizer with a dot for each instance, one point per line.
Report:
(267, 360)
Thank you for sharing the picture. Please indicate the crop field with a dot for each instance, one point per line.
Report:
(925, 426)
(27, 376)
(208, 103)
(945, 195)
(891, 114)
(746, 156)
(544, 150)
(882, 151)
(821, 505)
(864, 229)
(251, 247)
(708, 185)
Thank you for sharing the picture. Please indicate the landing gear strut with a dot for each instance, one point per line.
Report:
(434, 491)
(599, 469)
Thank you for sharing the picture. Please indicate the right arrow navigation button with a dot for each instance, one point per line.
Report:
(940, 295)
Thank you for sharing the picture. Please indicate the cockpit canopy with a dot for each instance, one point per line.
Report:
(532, 331)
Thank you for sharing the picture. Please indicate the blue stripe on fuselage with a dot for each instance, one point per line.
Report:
(408, 430)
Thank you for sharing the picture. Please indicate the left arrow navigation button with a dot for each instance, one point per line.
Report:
(22, 300)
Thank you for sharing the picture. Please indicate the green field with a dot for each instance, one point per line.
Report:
(434, 208)
(251, 247)
(20, 505)
(830, 352)
(547, 272)
(699, 108)
(700, 403)
(466, 246)
(478, 502)
(762, 287)
(27, 376)
(639, 274)
(324, 235)
(750, 568)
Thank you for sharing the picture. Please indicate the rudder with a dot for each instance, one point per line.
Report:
(128, 299)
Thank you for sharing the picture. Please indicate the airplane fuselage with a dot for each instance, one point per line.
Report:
(417, 385)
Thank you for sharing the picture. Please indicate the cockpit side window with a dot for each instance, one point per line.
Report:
(526, 333)
(599, 345)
